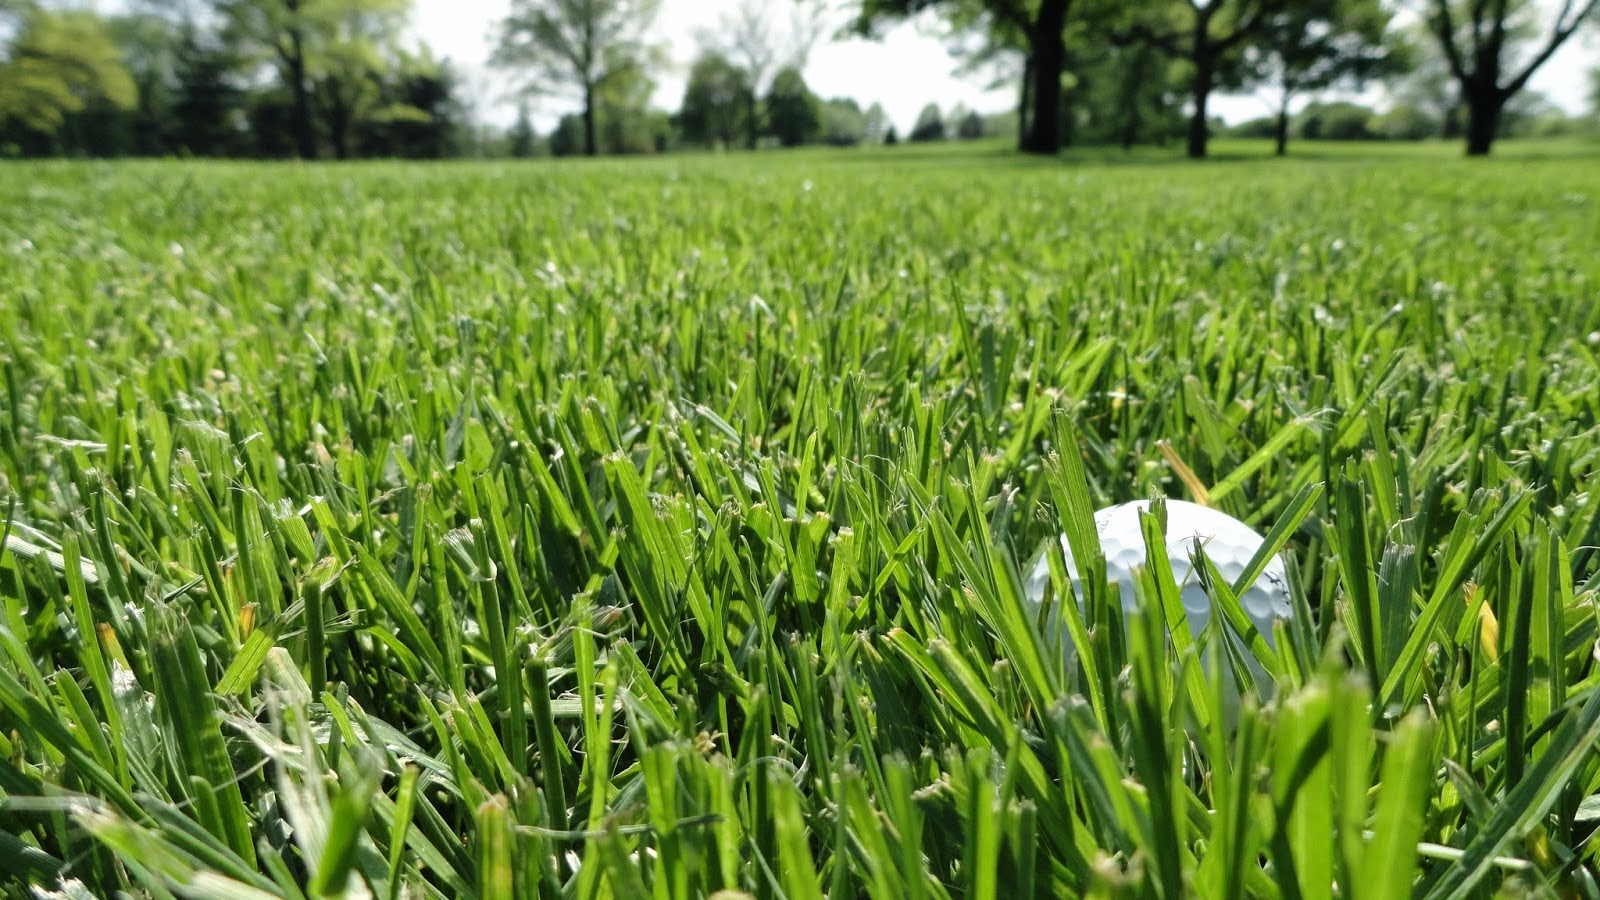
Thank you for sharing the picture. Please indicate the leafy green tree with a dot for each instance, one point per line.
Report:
(792, 110)
(208, 105)
(349, 74)
(843, 122)
(970, 127)
(1315, 45)
(929, 125)
(148, 42)
(521, 138)
(419, 114)
(1209, 37)
(575, 46)
(875, 124)
(716, 101)
(627, 124)
(568, 137)
(315, 47)
(57, 64)
(1492, 50)
(752, 38)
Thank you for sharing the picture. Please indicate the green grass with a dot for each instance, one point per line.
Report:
(657, 528)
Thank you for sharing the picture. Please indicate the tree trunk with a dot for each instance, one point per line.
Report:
(1024, 104)
(1198, 127)
(1204, 75)
(1483, 120)
(753, 119)
(1049, 52)
(1283, 125)
(339, 128)
(590, 148)
(305, 135)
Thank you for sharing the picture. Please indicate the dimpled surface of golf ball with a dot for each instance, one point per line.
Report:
(1227, 542)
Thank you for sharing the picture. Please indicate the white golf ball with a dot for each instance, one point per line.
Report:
(1227, 542)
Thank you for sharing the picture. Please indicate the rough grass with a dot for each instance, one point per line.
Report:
(657, 528)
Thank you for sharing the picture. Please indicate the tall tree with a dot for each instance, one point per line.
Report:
(1209, 36)
(56, 64)
(875, 124)
(149, 43)
(353, 58)
(1315, 45)
(929, 125)
(792, 109)
(717, 101)
(843, 122)
(207, 100)
(520, 140)
(752, 37)
(574, 46)
(419, 114)
(280, 31)
(1037, 25)
(1480, 43)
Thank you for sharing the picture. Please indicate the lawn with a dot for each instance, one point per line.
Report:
(657, 527)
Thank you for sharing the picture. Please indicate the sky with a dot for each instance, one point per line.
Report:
(904, 71)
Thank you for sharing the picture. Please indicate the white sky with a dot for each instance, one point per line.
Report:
(904, 72)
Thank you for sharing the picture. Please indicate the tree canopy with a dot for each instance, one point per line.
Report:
(59, 63)
(562, 47)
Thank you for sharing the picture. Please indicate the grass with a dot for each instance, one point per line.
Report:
(578, 530)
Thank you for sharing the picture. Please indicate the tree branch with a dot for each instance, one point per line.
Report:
(1445, 27)
(1563, 30)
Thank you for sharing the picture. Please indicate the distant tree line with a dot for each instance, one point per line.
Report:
(254, 78)
(338, 79)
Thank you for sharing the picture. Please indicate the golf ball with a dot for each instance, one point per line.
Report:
(1227, 542)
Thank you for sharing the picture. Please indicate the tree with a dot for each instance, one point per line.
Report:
(1036, 26)
(1314, 45)
(1209, 36)
(279, 30)
(568, 137)
(875, 124)
(352, 62)
(751, 38)
(626, 122)
(1594, 92)
(57, 64)
(717, 101)
(792, 108)
(929, 126)
(970, 127)
(1481, 42)
(418, 114)
(207, 105)
(521, 138)
(566, 46)
(148, 43)
(843, 122)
